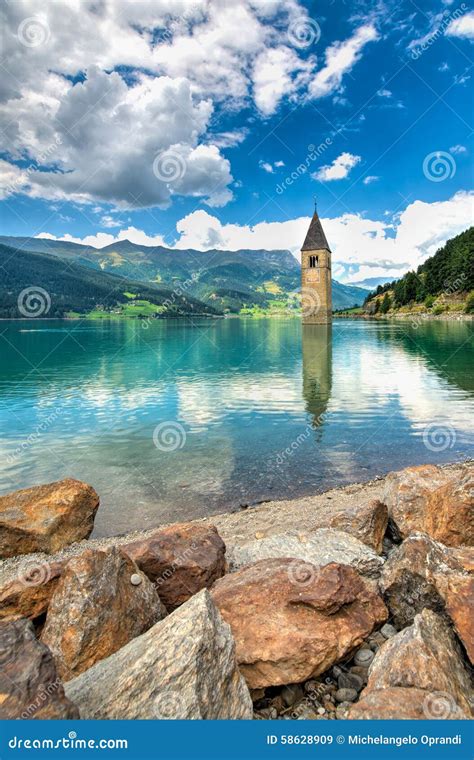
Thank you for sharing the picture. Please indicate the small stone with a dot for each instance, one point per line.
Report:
(310, 686)
(273, 713)
(135, 579)
(350, 681)
(364, 657)
(259, 534)
(337, 671)
(321, 711)
(388, 631)
(360, 670)
(342, 710)
(291, 694)
(257, 694)
(346, 695)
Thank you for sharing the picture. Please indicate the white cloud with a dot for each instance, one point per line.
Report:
(339, 169)
(458, 149)
(109, 221)
(362, 248)
(462, 27)
(278, 72)
(384, 93)
(370, 178)
(269, 167)
(339, 60)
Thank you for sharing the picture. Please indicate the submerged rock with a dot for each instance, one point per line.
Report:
(29, 684)
(292, 620)
(96, 609)
(46, 518)
(319, 547)
(183, 667)
(181, 560)
(429, 499)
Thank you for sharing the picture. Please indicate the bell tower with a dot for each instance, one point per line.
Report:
(316, 293)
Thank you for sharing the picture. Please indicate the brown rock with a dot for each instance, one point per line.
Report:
(46, 518)
(29, 684)
(293, 620)
(181, 560)
(368, 522)
(27, 594)
(429, 499)
(398, 703)
(422, 573)
(424, 656)
(96, 610)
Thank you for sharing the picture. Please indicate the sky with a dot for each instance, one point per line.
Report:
(217, 123)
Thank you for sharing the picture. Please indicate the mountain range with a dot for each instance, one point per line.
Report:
(127, 277)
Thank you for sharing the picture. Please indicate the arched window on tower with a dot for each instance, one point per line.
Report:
(313, 262)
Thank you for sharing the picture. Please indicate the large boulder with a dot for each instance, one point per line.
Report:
(101, 602)
(183, 667)
(424, 656)
(26, 592)
(319, 547)
(430, 499)
(46, 518)
(366, 521)
(398, 703)
(292, 620)
(181, 560)
(29, 683)
(423, 573)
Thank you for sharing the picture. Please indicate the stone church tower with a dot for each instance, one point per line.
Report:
(316, 276)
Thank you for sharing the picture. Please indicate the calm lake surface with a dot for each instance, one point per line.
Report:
(174, 420)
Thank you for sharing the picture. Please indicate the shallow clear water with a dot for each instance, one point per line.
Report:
(248, 409)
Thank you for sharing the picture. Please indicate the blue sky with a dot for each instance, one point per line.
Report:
(214, 124)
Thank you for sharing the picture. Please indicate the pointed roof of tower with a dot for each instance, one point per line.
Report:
(315, 238)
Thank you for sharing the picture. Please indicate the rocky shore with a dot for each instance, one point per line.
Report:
(356, 603)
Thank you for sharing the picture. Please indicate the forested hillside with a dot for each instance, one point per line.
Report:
(448, 275)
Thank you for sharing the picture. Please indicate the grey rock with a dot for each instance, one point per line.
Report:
(350, 681)
(291, 694)
(388, 631)
(183, 667)
(364, 657)
(29, 684)
(346, 695)
(319, 547)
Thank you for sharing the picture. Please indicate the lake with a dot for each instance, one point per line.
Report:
(173, 420)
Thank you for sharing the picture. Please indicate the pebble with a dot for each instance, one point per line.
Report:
(321, 711)
(341, 712)
(350, 681)
(310, 686)
(360, 670)
(135, 579)
(364, 657)
(291, 694)
(346, 695)
(388, 631)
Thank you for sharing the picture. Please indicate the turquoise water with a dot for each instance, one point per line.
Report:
(173, 420)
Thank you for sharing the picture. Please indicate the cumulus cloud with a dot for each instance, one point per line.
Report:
(93, 92)
(363, 249)
(339, 169)
(370, 178)
(101, 239)
(462, 27)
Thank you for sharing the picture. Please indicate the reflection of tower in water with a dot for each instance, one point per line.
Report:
(317, 370)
